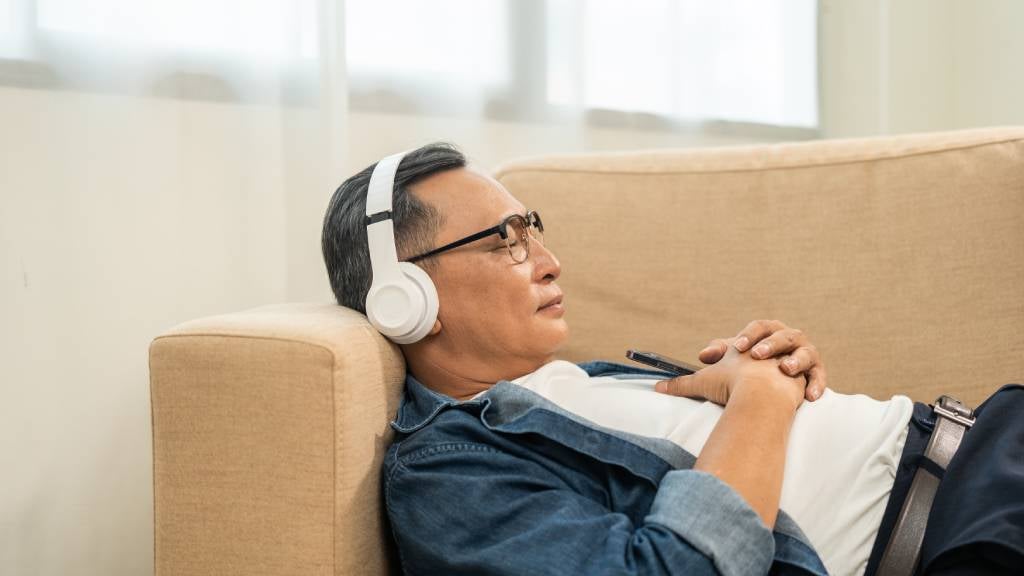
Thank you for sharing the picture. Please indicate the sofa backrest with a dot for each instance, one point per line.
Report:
(902, 257)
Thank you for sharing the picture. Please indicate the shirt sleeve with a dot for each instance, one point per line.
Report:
(715, 520)
(472, 509)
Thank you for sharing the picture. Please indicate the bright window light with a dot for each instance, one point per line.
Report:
(11, 34)
(264, 28)
(735, 60)
(412, 38)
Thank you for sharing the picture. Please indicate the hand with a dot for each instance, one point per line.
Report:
(773, 339)
(717, 383)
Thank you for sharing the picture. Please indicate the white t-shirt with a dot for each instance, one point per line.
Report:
(840, 462)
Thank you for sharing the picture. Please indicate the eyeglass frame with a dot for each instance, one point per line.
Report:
(532, 220)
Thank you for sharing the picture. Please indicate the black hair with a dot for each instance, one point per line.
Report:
(416, 223)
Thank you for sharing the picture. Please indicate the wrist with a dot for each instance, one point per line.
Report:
(778, 394)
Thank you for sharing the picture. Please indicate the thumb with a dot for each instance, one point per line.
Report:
(705, 384)
(679, 386)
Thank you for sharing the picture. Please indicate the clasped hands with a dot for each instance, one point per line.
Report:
(767, 354)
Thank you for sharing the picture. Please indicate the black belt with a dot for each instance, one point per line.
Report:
(903, 552)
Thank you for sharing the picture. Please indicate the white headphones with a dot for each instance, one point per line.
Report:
(402, 301)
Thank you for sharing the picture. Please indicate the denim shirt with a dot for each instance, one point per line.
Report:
(510, 483)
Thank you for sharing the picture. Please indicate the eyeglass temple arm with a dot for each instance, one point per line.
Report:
(471, 238)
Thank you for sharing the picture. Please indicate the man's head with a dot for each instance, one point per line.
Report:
(344, 243)
(492, 320)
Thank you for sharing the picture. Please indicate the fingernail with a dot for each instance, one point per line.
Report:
(790, 363)
(661, 386)
(741, 343)
(815, 393)
(762, 349)
(704, 351)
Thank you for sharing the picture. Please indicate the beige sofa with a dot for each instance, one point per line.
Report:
(902, 257)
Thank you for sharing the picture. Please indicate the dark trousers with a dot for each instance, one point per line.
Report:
(976, 525)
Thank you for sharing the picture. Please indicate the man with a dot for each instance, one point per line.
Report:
(495, 471)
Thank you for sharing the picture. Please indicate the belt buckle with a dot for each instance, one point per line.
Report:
(950, 408)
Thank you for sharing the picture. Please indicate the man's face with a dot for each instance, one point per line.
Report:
(491, 309)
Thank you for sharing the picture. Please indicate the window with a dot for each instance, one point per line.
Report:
(426, 40)
(738, 61)
(447, 56)
(12, 29)
(235, 50)
(664, 62)
(274, 29)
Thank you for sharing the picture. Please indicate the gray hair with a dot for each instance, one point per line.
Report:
(343, 242)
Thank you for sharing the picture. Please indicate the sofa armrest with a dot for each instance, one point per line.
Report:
(269, 428)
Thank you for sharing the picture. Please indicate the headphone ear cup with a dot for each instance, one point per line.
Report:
(428, 315)
(405, 308)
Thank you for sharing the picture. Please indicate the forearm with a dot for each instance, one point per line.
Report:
(747, 448)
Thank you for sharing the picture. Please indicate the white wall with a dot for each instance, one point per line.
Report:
(896, 66)
(119, 218)
(988, 56)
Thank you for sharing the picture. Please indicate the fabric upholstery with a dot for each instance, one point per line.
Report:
(900, 256)
(269, 428)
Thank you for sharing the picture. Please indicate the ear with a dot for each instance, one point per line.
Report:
(436, 329)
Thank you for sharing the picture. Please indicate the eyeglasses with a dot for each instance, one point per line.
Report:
(516, 231)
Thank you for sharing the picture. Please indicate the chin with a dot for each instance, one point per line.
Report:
(557, 336)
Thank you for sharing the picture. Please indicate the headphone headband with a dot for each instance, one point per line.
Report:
(379, 225)
(382, 185)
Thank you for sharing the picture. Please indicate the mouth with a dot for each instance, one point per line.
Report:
(552, 304)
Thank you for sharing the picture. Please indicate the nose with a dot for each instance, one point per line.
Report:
(546, 266)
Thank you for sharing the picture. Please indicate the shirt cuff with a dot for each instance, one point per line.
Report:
(715, 520)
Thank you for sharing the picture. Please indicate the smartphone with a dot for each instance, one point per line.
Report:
(677, 367)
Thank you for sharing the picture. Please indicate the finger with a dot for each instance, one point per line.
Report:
(800, 360)
(714, 351)
(817, 383)
(755, 332)
(696, 385)
(781, 342)
(679, 386)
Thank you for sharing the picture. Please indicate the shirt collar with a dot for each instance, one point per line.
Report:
(420, 404)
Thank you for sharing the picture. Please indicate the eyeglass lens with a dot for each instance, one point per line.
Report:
(519, 234)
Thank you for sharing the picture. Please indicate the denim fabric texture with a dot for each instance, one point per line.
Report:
(510, 483)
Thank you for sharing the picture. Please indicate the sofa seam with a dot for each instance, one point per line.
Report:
(246, 337)
(152, 442)
(502, 172)
(334, 462)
